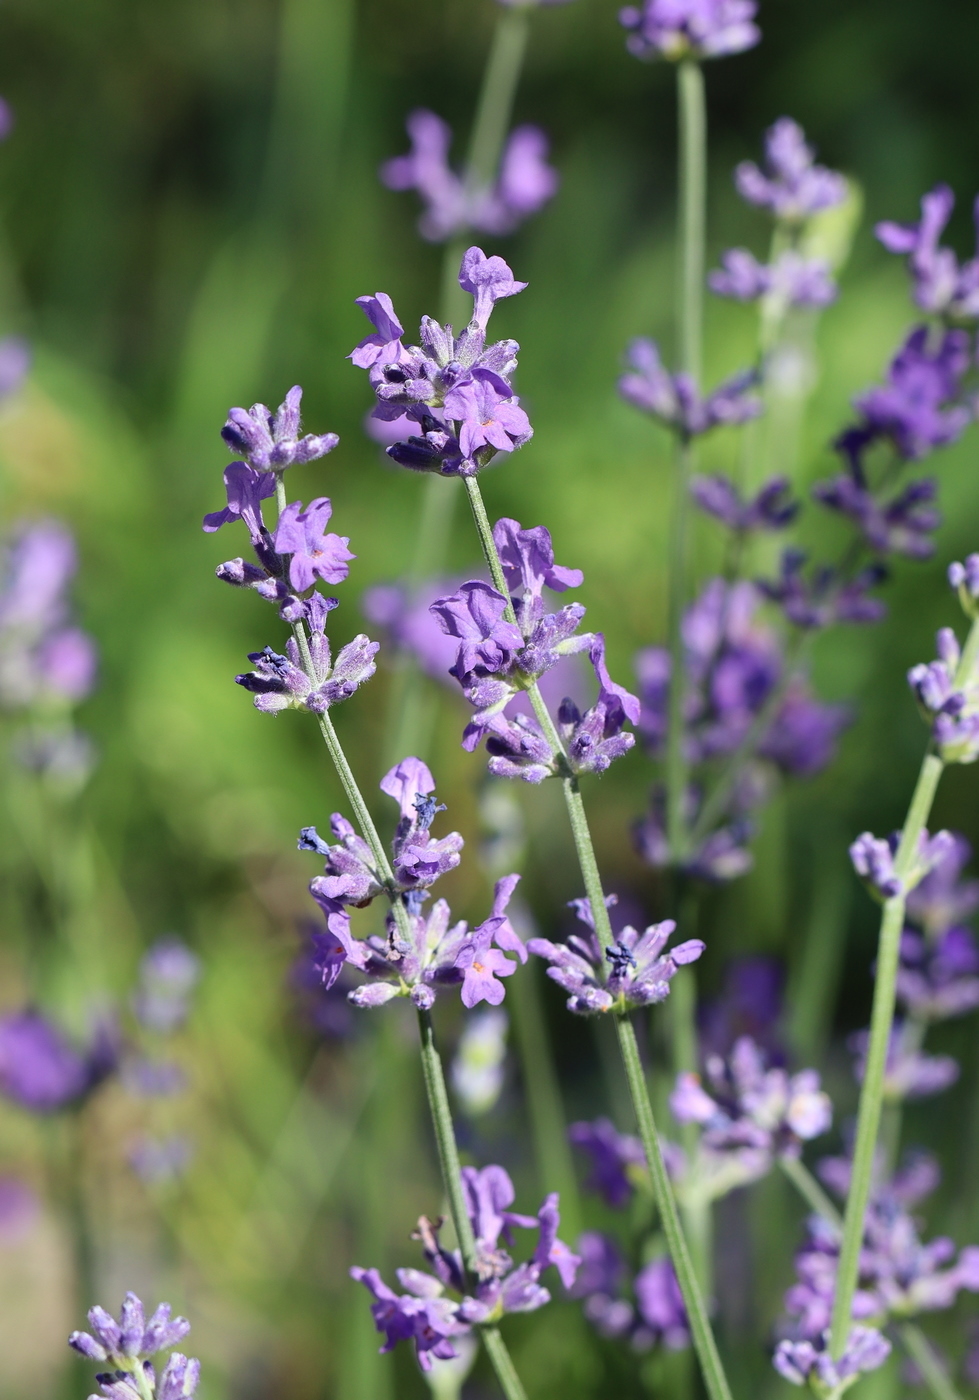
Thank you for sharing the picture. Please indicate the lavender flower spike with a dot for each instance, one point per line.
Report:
(635, 971)
(941, 285)
(805, 1361)
(873, 860)
(950, 708)
(132, 1338)
(771, 509)
(488, 280)
(271, 442)
(964, 578)
(676, 401)
(677, 29)
(790, 281)
(617, 1159)
(314, 553)
(794, 187)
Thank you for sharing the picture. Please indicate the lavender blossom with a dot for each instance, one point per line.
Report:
(943, 898)
(950, 704)
(675, 400)
(903, 525)
(657, 1316)
(873, 860)
(411, 625)
(132, 1338)
(271, 442)
(792, 280)
(812, 1362)
(524, 184)
(634, 971)
(826, 596)
(748, 1104)
(678, 29)
(424, 1315)
(909, 1073)
(618, 1161)
(314, 553)
(770, 509)
(750, 1003)
(964, 578)
(939, 977)
(941, 285)
(168, 974)
(40, 1070)
(15, 353)
(794, 187)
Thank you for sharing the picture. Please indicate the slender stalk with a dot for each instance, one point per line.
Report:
(810, 1190)
(918, 1347)
(445, 1141)
(676, 760)
(681, 1010)
(703, 1337)
(706, 1347)
(506, 1374)
(881, 1021)
(496, 97)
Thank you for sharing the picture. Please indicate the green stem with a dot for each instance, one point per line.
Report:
(881, 1022)
(810, 1190)
(506, 1374)
(703, 1337)
(496, 97)
(676, 761)
(918, 1347)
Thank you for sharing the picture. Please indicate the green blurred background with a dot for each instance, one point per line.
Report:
(189, 206)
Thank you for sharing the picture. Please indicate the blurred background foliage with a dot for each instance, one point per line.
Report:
(189, 207)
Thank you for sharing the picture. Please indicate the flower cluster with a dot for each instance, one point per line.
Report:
(947, 692)
(792, 187)
(751, 1112)
(938, 975)
(635, 971)
(42, 1071)
(942, 286)
(454, 390)
(675, 400)
(792, 280)
(909, 1073)
(498, 658)
(425, 1315)
(811, 1362)
(618, 1161)
(873, 860)
(453, 204)
(657, 1314)
(126, 1347)
(678, 29)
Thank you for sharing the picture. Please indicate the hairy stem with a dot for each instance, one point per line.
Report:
(918, 1347)
(506, 1374)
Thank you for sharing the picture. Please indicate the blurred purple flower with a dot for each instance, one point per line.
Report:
(950, 704)
(15, 354)
(42, 1071)
(811, 1361)
(943, 898)
(909, 1073)
(794, 187)
(941, 285)
(770, 509)
(616, 1159)
(939, 977)
(20, 1207)
(750, 1003)
(903, 525)
(792, 279)
(159, 1161)
(676, 401)
(677, 29)
(168, 974)
(827, 596)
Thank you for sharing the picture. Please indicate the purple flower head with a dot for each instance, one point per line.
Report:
(964, 578)
(488, 416)
(488, 280)
(803, 734)
(793, 188)
(825, 597)
(132, 1338)
(435, 955)
(528, 563)
(675, 400)
(792, 280)
(909, 1073)
(678, 29)
(315, 554)
(659, 1303)
(771, 509)
(168, 974)
(602, 1265)
(808, 1362)
(873, 860)
(617, 1160)
(350, 877)
(949, 701)
(428, 1321)
(487, 642)
(902, 525)
(411, 625)
(942, 897)
(750, 1003)
(593, 740)
(941, 285)
(451, 205)
(384, 345)
(283, 683)
(634, 971)
(748, 1104)
(271, 442)
(939, 977)
(246, 489)
(15, 353)
(917, 409)
(41, 1071)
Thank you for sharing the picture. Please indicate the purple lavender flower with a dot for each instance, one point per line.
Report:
(918, 408)
(271, 442)
(281, 682)
(812, 1362)
(411, 625)
(41, 1071)
(721, 856)
(676, 401)
(948, 703)
(658, 1314)
(964, 578)
(315, 554)
(634, 971)
(750, 1003)
(160, 1161)
(456, 388)
(15, 353)
(617, 1159)
(246, 488)
(770, 509)
(939, 977)
(873, 860)
(909, 1073)
(749, 1104)
(424, 1315)
(827, 596)
(792, 280)
(794, 187)
(903, 525)
(168, 974)
(179, 1380)
(941, 285)
(677, 29)
(488, 644)
(523, 186)
(528, 563)
(132, 1338)
(942, 898)
(662, 1317)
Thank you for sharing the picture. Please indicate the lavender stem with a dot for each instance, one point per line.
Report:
(703, 1337)
(918, 1347)
(810, 1190)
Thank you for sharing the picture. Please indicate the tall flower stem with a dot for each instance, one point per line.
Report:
(881, 1022)
(918, 1347)
(438, 1099)
(499, 88)
(691, 237)
(703, 1337)
(810, 1190)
